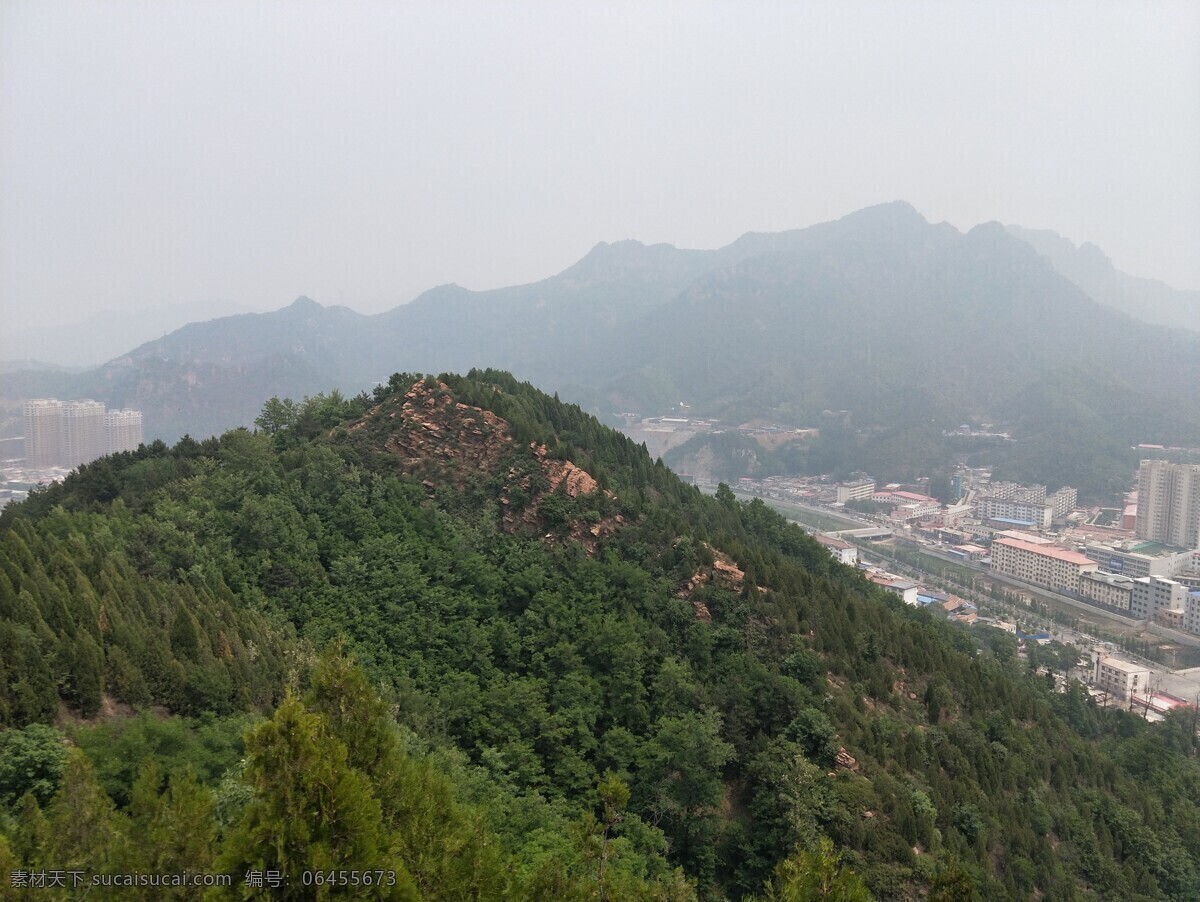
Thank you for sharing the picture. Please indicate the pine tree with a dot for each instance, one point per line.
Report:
(85, 829)
(311, 812)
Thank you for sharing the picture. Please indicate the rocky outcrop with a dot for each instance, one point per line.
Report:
(446, 442)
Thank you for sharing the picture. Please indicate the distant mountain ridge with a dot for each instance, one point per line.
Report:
(901, 322)
(1090, 268)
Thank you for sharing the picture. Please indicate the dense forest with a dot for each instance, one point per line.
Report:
(462, 641)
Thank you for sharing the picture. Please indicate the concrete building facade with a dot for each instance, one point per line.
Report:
(845, 552)
(1119, 677)
(1109, 589)
(84, 437)
(1137, 559)
(859, 490)
(123, 430)
(43, 420)
(1043, 565)
(1168, 506)
(1063, 502)
(1153, 595)
(1038, 514)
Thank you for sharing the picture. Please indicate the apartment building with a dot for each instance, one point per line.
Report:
(84, 438)
(858, 490)
(123, 430)
(1191, 612)
(1111, 589)
(43, 432)
(1119, 677)
(1168, 506)
(1137, 559)
(1033, 514)
(1153, 595)
(839, 548)
(1044, 565)
(1063, 502)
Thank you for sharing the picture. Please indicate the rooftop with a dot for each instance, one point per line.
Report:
(1047, 550)
(1122, 665)
(831, 542)
(1023, 537)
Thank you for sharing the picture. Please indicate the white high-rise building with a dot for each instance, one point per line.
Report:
(43, 432)
(123, 429)
(1168, 508)
(84, 436)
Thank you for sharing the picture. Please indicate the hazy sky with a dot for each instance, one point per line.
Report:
(241, 153)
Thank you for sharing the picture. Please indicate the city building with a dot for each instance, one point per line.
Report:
(1042, 564)
(1191, 611)
(914, 510)
(1111, 589)
(1011, 491)
(1119, 677)
(123, 430)
(1028, 514)
(43, 432)
(70, 433)
(839, 548)
(1139, 558)
(904, 588)
(1063, 502)
(858, 490)
(1153, 595)
(1168, 505)
(84, 438)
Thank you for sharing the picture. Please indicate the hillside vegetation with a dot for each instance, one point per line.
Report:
(460, 633)
(906, 327)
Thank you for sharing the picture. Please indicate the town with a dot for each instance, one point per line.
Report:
(62, 435)
(1136, 568)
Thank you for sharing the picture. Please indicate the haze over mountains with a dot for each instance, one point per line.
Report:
(882, 314)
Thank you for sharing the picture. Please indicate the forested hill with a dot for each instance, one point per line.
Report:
(908, 327)
(575, 678)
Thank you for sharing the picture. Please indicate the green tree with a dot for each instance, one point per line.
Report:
(85, 829)
(816, 876)
(277, 415)
(310, 812)
(32, 760)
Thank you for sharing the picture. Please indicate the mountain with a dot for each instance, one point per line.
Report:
(106, 334)
(1089, 268)
(462, 634)
(899, 323)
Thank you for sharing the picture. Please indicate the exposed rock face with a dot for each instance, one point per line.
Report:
(724, 572)
(578, 482)
(444, 441)
(844, 759)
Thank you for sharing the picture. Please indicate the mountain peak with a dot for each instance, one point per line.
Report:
(304, 304)
(892, 214)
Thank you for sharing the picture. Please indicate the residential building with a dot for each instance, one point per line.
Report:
(914, 510)
(83, 435)
(1139, 558)
(953, 514)
(43, 432)
(1119, 677)
(1042, 564)
(123, 430)
(1109, 589)
(1191, 611)
(1023, 537)
(905, 589)
(1011, 491)
(1152, 595)
(839, 548)
(1031, 514)
(1169, 503)
(859, 490)
(1063, 502)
